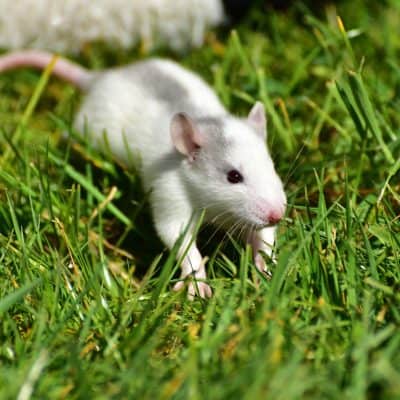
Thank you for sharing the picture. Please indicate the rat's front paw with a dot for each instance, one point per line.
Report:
(262, 266)
(195, 288)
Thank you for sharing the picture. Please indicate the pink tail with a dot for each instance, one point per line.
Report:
(64, 69)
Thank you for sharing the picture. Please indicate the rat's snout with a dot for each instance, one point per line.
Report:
(269, 214)
(275, 216)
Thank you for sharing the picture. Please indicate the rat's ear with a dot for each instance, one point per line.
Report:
(258, 120)
(185, 135)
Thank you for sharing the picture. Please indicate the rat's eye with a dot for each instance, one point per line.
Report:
(234, 176)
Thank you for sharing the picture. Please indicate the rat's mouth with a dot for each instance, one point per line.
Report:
(259, 223)
(264, 225)
(268, 218)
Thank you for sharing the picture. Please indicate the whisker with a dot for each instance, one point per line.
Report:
(224, 213)
(243, 230)
(233, 229)
(216, 230)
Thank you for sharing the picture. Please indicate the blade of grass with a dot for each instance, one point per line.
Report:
(30, 107)
(85, 183)
(12, 298)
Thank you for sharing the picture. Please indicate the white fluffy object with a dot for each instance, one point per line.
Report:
(66, 25)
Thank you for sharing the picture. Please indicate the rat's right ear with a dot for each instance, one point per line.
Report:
(258, 119)
(185, 135)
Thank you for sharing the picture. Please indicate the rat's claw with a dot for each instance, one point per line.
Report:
(195, 288)
(262, 266)
(178, 286)
(195, 280)
(201, 289)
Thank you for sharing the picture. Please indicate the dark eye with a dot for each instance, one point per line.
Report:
(234, 176)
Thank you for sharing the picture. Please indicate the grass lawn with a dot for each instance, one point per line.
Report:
(86, 309)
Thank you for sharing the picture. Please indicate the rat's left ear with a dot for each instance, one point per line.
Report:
(258, 120)
(185, 135)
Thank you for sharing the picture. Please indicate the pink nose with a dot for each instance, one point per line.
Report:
(275, 216)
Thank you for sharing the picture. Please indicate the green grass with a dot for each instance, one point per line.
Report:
(86, 309)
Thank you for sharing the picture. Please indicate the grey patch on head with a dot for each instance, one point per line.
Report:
(214, 126)
(217, 153)
(213, 123)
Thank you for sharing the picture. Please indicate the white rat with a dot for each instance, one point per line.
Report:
(194, 156)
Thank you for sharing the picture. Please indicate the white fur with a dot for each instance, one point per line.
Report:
(66, 26)
(137, 125)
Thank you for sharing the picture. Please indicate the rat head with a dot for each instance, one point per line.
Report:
(228, 170)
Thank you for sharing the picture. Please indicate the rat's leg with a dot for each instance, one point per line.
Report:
(193, 266)
(170, 229)
(263, 241)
